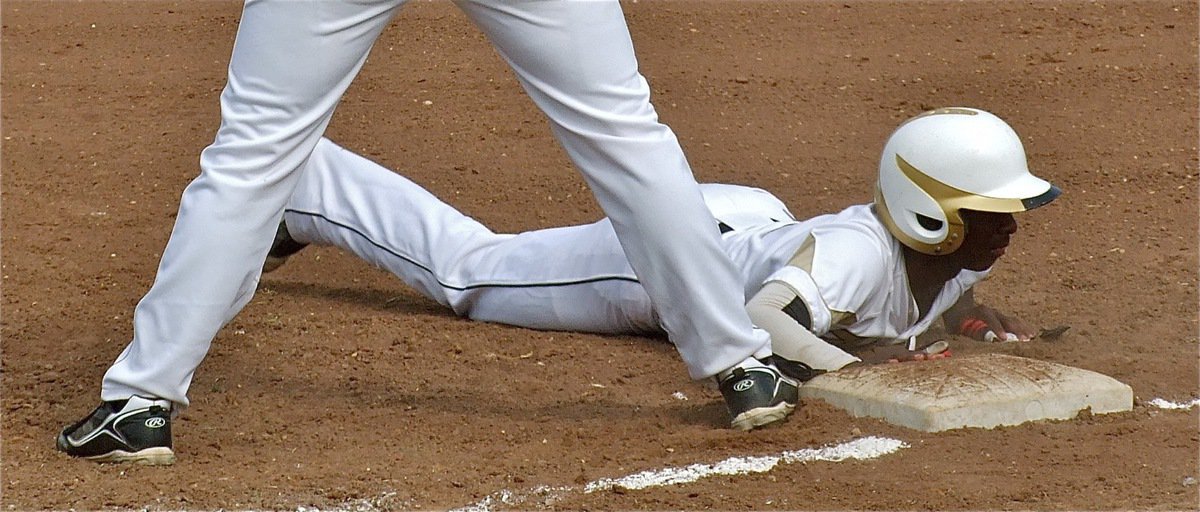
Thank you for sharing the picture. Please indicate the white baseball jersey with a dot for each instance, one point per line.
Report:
(850, 273)
(577, 277)
(291, 63)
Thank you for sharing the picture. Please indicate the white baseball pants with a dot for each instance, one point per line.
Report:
(347, 201)
(291, 63)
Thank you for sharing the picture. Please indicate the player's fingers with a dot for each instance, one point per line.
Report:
(995, 326)
(980, 329)
(1022, 330)
(937, 347)
(991, 336)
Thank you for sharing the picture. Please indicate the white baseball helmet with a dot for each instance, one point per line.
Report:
(949, 159)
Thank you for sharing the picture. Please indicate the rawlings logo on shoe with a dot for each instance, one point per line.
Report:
(743, 385)
(155, 422)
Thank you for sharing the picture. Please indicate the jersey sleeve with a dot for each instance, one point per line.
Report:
(779, 310)
(836, 273)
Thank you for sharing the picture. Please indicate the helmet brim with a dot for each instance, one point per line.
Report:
(1042, 199)
(1027, 191)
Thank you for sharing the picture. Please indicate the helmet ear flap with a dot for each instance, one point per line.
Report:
(915, 218)
(956, 231)
(921, 221)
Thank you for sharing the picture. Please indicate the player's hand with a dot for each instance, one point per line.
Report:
(983, 323)
(880, 354)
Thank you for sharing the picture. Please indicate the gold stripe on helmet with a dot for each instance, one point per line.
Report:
(952, 199)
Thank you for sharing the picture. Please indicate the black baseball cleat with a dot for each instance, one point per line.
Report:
(282, 248)
(136, 430)
(758, 396)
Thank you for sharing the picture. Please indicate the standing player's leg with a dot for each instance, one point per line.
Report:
(576, 61)
(572, 278)
(291, 63)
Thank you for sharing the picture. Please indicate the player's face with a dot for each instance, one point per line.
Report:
(987, 238)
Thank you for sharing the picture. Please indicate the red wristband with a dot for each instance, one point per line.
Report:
(972, 327)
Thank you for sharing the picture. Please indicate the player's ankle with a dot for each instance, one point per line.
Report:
(749, 362)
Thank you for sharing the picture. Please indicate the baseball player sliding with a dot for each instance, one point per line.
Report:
(291, 63)
(868, 279)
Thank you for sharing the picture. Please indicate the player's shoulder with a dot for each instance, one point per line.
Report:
(742, 207)
(853, 237)
(736, 192)
(857, 225)
(728, 187)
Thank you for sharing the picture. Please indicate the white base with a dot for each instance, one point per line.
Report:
(975, 391)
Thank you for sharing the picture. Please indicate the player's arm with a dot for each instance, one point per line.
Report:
(980, 322)
(780, 309)
(791, 307)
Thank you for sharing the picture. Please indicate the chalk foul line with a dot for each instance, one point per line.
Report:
(1166, 404)
(858, 449)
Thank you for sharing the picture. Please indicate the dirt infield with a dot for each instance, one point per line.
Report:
(338, 384)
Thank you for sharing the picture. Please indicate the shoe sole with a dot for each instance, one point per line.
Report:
(157, 456)
(762, 416)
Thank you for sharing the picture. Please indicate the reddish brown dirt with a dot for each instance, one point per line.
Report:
(337, 383)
